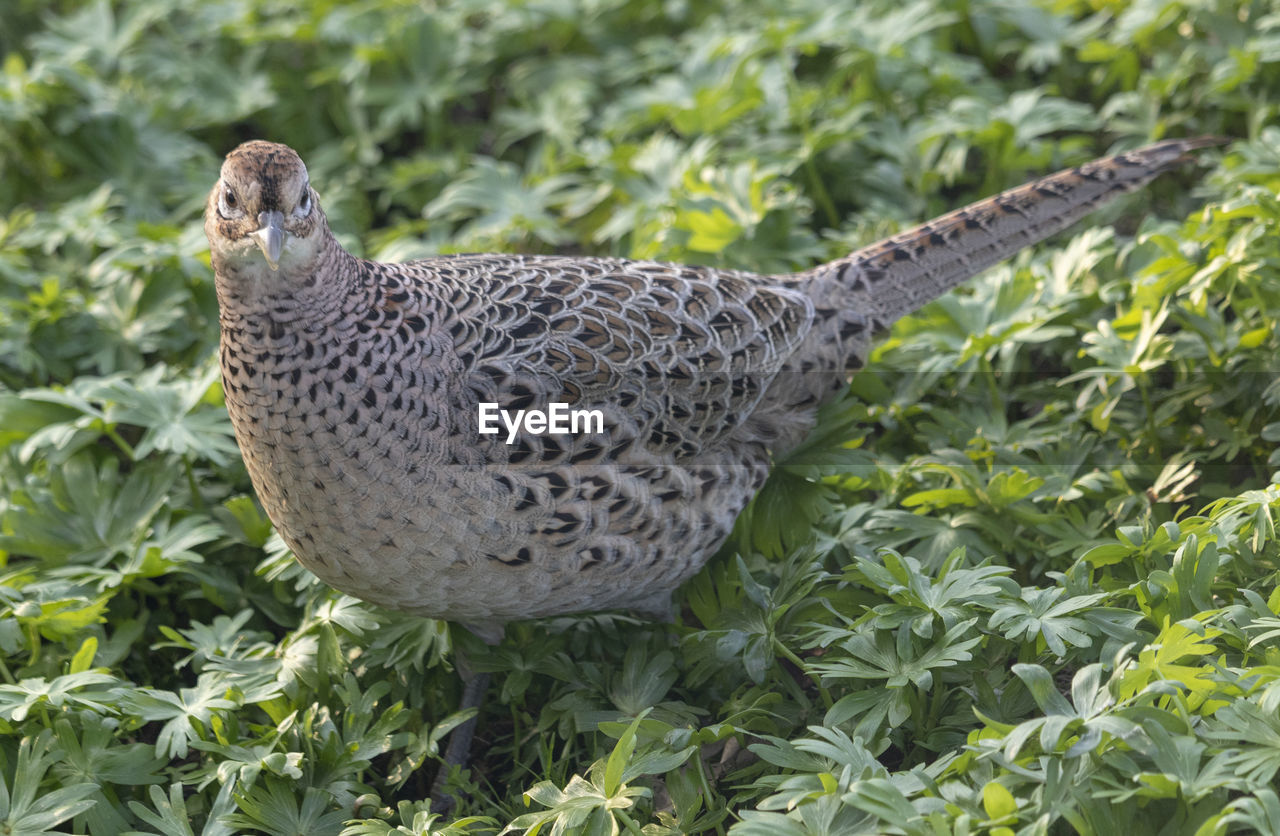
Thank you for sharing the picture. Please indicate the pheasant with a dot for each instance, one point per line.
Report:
(358, 390)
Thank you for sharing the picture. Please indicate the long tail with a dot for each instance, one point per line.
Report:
(900, 274)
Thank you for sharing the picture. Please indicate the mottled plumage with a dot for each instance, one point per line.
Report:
(353, 387)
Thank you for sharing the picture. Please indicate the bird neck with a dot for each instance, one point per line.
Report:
(309, 292)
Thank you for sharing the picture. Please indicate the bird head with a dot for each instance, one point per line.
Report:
(263, 210)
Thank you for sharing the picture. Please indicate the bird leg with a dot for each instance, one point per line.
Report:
(458, 752)
(475, 684)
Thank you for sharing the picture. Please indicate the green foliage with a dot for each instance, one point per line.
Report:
(1021, 579)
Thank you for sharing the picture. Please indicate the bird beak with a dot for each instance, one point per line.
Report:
(270, 237)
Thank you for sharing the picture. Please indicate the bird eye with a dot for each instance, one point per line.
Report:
(304, 203)
(228, 205)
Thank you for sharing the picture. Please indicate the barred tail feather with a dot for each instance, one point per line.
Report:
(900, 274)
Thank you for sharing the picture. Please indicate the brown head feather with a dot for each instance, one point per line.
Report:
(258, 178)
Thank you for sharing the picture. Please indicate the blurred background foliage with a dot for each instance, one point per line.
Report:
(1022, 579)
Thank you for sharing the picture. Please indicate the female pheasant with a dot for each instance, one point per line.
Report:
(355, 389)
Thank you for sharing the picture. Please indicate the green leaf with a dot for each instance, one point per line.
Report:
(620, 755)
(25, 809)
(87, 514)
(998, 802)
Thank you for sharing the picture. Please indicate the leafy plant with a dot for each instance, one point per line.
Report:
(1021, 578)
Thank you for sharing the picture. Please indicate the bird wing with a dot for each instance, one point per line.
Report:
(682, 355)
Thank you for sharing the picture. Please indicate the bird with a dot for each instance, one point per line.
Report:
(357, 389)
